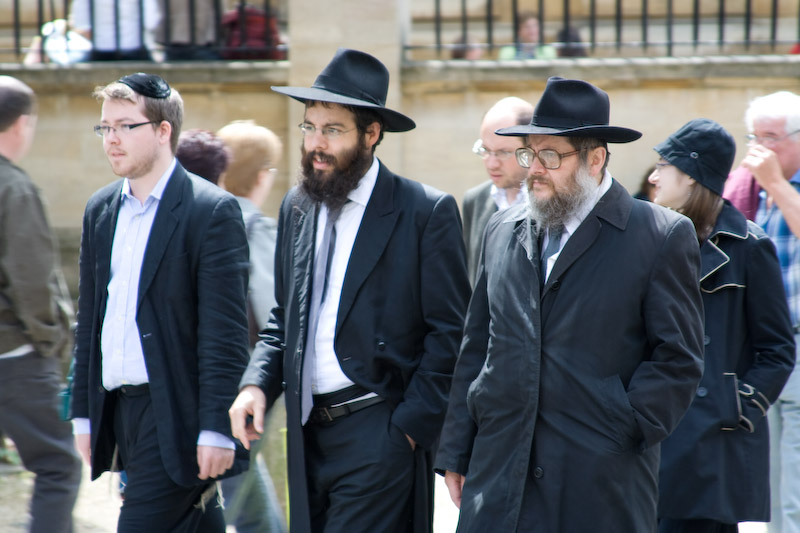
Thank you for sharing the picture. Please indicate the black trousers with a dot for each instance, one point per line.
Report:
(360, 471)
(153, 502)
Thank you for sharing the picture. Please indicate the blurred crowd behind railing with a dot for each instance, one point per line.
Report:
(69, 31)
(544, 29)
(66, 31)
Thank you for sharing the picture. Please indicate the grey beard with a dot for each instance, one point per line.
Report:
(555, 211)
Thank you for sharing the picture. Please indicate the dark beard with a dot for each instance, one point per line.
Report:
(555, 211)
(332, 188)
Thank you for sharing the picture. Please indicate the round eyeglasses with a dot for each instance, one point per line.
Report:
(482, 152)
(768, 139)
(550, 159)
(329, 132)
(120, 130)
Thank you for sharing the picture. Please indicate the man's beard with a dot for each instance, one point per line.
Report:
(332, 187)
(562, 205)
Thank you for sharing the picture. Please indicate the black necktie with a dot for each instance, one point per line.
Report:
(553, 245)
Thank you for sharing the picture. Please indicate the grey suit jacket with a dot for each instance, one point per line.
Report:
(478, 207)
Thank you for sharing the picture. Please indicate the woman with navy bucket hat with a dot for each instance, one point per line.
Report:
(715, 466)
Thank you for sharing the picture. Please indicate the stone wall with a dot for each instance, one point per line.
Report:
(446, 99)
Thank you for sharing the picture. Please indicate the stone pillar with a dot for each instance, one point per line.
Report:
(317, 30)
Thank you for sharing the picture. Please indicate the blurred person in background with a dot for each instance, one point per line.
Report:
(35, 321)
(715, 465)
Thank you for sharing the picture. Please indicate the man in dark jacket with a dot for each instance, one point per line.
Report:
(583, 342)
(161, 340)
(364, 336)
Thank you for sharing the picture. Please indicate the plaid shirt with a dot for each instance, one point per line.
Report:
(787, 246)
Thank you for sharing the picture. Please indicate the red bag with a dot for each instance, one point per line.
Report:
(250, 33)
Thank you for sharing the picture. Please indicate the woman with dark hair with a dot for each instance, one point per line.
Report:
(715, 466)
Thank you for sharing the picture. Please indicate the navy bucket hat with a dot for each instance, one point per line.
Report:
(702, 149)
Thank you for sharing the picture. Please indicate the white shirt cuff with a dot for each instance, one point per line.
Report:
(81, 426)
(212, 438)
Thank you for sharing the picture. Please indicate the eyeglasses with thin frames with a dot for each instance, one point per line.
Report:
(768, 139)
(483, 152)
(550, 159)
(329, 132)
(120, 130)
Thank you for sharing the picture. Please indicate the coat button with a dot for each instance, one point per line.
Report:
(538, 472)
(556, 284)
(702, 392)
(381, 346)
(706, 340)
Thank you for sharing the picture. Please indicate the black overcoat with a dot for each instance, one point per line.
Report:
(584, 378)
(398, 326)
(707, 471)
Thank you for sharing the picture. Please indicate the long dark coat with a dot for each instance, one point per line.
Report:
(398, 326)
(707, 471)
(583, 380)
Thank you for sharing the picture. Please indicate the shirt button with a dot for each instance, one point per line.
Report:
(538, 472)
(706, 340)
(702, 392)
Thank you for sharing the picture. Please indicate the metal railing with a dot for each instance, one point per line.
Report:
(46, 31)
(607, 28)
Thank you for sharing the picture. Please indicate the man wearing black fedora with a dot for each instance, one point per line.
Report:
(371, 288)
(583, 340)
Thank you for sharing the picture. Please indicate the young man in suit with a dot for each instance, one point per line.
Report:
(504, 187)
(593, 351)
(364, 336)
(161, 340)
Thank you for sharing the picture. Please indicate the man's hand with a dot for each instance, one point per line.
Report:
(251, 402)
(764, 165)
(412, 442)
(213, 461)
(83, 443)
(455, 484)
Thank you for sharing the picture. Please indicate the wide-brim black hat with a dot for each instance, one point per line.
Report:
(357, 79)
(572, 108)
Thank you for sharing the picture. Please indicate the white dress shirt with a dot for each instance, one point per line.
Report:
(500, 196)
(327, 375)
(104, 25)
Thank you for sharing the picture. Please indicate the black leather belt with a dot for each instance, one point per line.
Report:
(134, 390)
(328, 414)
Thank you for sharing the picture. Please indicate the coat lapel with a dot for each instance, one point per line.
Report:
(713, 259)
(164, 224)
(304, 220)
(614, 207)
(105, 226)
(373, 235)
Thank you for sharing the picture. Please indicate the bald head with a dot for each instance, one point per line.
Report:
(16, 99)
(512, 111)
(498, 157)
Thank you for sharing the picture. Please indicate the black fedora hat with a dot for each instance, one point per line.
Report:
(572, 108)
(357, 79)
